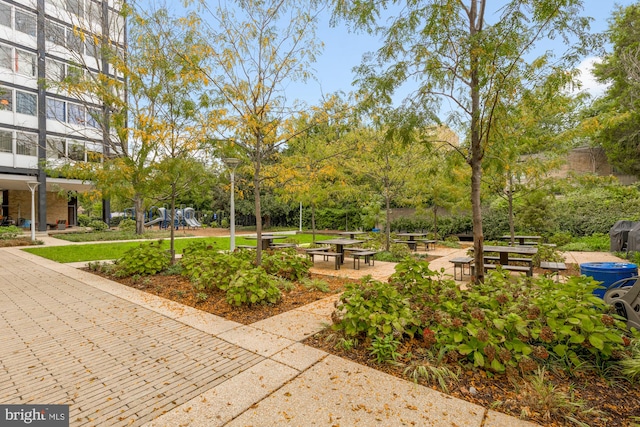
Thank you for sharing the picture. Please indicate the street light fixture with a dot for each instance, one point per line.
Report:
(32, 186)
(231, 164)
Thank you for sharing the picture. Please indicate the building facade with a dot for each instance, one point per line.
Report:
(45, 45)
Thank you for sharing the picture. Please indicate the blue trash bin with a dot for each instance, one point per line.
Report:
(608, 273)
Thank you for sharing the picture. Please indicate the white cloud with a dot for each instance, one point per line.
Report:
(587, 80)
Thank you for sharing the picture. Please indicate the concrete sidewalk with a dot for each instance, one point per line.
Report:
(120, 357)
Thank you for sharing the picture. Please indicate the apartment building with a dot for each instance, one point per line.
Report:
(43, 124)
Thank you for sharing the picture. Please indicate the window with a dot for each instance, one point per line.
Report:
(75, 74)
(76, 151)
(55, 148)
(75, 6)
(6, 57)
(26, 103)
(55, 109)
(54, 33)
(75, 114)
(6, 99)
(26, 22)
(74, 41)
(5, 15)
(94, 12)
(26, 63)
(93, 117)
(26, 144)
(6, 141)
(90, 46)
(54, 70)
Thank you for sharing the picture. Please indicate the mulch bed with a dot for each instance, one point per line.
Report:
(179, 289)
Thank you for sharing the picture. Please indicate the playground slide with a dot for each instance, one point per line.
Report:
(153, 221)
(192, 222)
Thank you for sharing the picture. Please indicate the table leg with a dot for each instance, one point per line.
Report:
(504, 258)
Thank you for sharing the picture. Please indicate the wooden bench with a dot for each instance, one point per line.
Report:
(282, 245)
(555, 267)
(367, 255)
(520, 268)
(326, 254)
(428, 243)
(461, 262)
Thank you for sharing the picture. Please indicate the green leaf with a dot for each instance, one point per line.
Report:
(499, 324)
(478, 358)
(577, 339)
(560, 350)
(597, 341)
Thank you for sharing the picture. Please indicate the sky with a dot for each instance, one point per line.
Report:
(343, 51)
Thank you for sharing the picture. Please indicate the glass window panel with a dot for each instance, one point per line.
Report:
(55, 109)
(6, 141)
(6, 99)
(26, 22)
(75, 74)
(27, 144)
(75, 6)
(76, 151)
(74, 41)
(54, 70)
(6, 57)
(94, 12)
(5, 15)
(26, 103)
(75, 114)
(55, 33)
(26, 63)
(55, 148)
(93, 117)
(90, 48)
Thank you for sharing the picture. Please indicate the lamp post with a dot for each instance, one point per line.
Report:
(32, 186)
(231, 164)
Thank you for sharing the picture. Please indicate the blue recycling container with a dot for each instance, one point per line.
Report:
(608, 273)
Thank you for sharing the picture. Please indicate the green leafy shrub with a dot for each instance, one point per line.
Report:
(9, 233)
(148, 258)
(84, 220)
(98, 225)
(209, 268)
(384, 349)
(287, 264)
(560, 238)
(254, 286)
(115, 221)
(501, 325)
(594, 243)
(127, 224)
(375, 308)
(315, 284)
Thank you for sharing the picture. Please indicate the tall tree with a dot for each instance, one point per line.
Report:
(255, 47)
(151, 118)
(453, 52)
(619, 108)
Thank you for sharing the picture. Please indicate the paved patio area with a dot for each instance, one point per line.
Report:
(120, 357)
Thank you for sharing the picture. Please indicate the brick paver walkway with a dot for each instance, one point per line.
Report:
(114, 362)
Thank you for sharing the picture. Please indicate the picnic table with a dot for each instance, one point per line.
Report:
(267, 239)
(521, 239)
(351, 234)
(414, 239)
(505, 260)
(340, 244)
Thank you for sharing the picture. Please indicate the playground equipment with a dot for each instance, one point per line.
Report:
(189, 216)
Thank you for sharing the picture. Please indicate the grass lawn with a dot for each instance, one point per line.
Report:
(107, 251)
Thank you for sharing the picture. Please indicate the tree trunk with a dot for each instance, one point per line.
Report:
(256, 185)
(172, 249)
(475, 161)
(313, 222)
(137, 203)
(512, 228)
(387, 228)
(435, 221)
